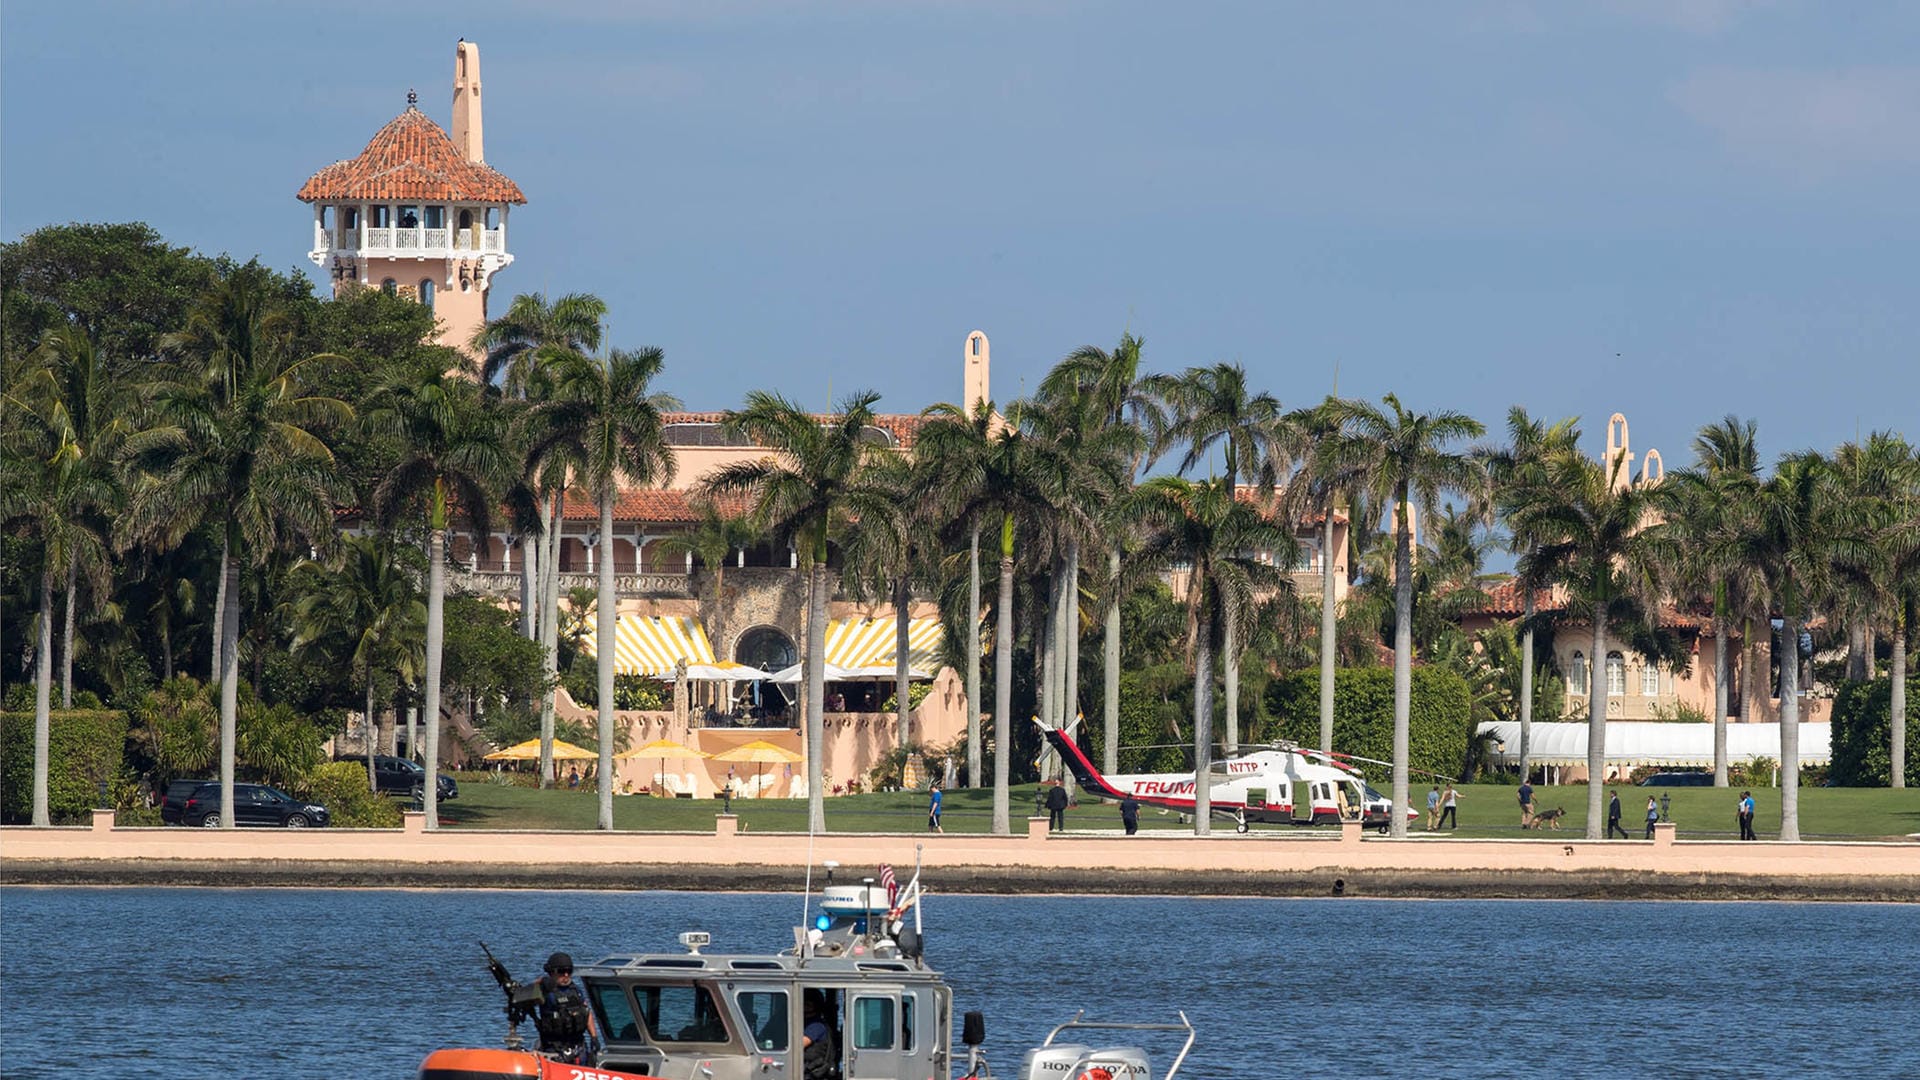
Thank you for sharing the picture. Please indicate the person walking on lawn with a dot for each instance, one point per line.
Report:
(1613, 819)
(1526, 804)
(1448, 803)
(1433, 807)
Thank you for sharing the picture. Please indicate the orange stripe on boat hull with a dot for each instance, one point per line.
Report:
(479, 1064)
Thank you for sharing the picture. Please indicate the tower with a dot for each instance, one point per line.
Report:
(419, 213)
(973, 383)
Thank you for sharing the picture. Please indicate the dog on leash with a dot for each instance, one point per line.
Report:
(1549, 819)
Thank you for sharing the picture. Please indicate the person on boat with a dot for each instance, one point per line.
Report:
(819, 1055)
(566, 1025)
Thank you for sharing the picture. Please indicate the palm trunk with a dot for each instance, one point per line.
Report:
(1110, 685)
(1070, 693)
(1526, 685)
(219, 620)
(1856, 652)
(902, 681)
(1897, 719)
(229, 638)
(1045, 639)
(43, 698)
(1790, 726)
(1231, 662)
(1402, 661)
(436, 638)
(1597, 723)
(1748, 680)
(1202, 722)
(973, 656)
(1720, 695)
(66, 638)
(816, 691)
(1329, 631)
(367, 729)
(606, 612)
(529, 588)
(549, 622)
(1003, 686)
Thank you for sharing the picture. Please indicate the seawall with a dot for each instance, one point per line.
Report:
(1322, 864)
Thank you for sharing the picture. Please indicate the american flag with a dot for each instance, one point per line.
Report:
(889, 883)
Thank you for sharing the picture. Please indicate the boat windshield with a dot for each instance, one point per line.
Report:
(680, 1014)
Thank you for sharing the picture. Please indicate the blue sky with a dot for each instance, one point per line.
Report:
(1675, 210)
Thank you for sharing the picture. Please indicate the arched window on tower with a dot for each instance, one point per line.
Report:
(426, 292)
(1577, 674)
(1616, 674)
(390, 287)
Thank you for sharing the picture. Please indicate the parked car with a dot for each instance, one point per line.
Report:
(175, 800)
(401, 776)
(253, 804)
(1678, 779)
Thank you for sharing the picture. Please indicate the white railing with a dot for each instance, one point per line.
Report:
(416, 241)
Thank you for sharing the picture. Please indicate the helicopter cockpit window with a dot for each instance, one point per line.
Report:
(680, 1014)
(616, 1012)
(766, 1015)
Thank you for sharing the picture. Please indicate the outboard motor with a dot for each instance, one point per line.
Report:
(1117, 1062)
(1056, 1061)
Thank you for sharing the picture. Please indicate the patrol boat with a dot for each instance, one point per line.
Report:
(858, 969)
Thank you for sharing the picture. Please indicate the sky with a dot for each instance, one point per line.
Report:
(1671, 210)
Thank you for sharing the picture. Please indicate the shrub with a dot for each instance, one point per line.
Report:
(1862, 746)
(341, 787)
(85, 748)
(640, 692)
(1363, 715)
(1680, 712)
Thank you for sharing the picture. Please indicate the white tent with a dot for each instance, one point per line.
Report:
(1639, 742)
(795, 673)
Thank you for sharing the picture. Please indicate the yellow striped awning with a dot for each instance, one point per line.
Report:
(859, 643)
(655, 644)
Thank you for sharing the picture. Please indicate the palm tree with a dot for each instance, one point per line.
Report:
(452, 458)
(605, 419)
(515, 346)
(1203, 525)
(1515, 472)
(1704, 506)
(988, 471)
(47, 486)
(1315, 489)
(1209, 406)
(1804, 533)
(1590, 534)
(1902, 585)
(236, 443)
(1123, 396)
(890, 555)
(77, 396)
(818, 480)
(366, 604)
(1404, 454)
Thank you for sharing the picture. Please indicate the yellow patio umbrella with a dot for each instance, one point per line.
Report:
(759, 752)
(665, 750)
(530, 751)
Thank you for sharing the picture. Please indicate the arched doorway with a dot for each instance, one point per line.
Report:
(769, 649)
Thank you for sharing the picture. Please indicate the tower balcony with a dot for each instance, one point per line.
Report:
(418, 243)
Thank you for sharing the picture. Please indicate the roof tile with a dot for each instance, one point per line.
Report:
(411, 158)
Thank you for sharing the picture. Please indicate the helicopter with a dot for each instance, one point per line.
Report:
(1278, 784)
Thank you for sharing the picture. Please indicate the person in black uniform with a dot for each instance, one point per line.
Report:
(1613, 819)
(1130, 813)
(566, 1024)
(819, 1056)
(1057, 807)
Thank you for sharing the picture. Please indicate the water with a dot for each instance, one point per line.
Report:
(344, 983)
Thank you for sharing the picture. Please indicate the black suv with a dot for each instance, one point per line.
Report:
(1685, 778)
(400, 776)
(253, 804)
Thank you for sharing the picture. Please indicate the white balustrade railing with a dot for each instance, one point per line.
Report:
(494, 240)
(436, 239)
(347, 239)
(406, 239)
(379, 238)
(466, 241)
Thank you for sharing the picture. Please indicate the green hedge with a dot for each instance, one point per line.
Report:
(341, 787)
(1437, 726)
(84, 748)
(1861, 735)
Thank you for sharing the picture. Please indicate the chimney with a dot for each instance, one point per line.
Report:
(466, 100)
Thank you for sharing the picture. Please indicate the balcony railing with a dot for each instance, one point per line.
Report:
(507, 583)
(426, 243)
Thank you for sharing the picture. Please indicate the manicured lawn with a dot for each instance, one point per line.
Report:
(1484, 810)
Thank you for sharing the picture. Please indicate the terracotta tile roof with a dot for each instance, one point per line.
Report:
(651, 505)
(904, 427)
(411, 158)
(1507, 600)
